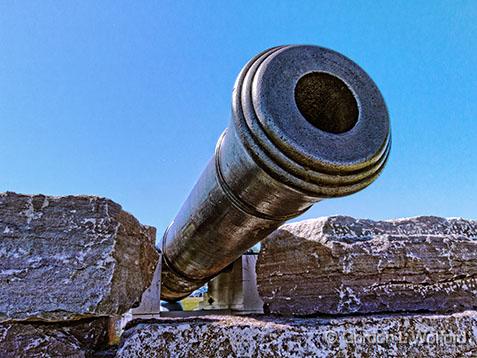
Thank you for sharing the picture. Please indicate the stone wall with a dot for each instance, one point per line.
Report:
(66, 265)
(79, 338)
(356, 288)
(341, 265)
(337, 286)
(415, 335)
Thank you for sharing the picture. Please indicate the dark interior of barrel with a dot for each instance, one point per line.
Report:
(326, 102)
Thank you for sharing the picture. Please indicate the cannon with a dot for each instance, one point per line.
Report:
(307, 124)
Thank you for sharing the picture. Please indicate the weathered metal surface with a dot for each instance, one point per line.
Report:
(235, 289)
(150, 304)
(307, 124)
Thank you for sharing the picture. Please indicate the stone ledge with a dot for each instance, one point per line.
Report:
(69, 339)
(416, 335)
(342, 265)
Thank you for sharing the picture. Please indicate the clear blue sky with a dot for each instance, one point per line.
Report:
(127, 100)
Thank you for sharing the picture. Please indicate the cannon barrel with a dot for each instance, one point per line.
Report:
(307, 124)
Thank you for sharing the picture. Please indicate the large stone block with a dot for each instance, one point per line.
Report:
(231, 336)
(70, 257)
(340, 265)
(76, 339)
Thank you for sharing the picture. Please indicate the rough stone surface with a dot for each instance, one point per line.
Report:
(70, 257)
(378, 336)
(340, 265)
(76, 339)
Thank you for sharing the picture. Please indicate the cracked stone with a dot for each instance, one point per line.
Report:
(417, 335)
(71, 257)
(342, 265)
(76, 339)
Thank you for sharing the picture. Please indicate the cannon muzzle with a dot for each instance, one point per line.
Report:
(307, 124)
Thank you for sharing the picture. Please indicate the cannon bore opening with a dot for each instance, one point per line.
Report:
(326, 102)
